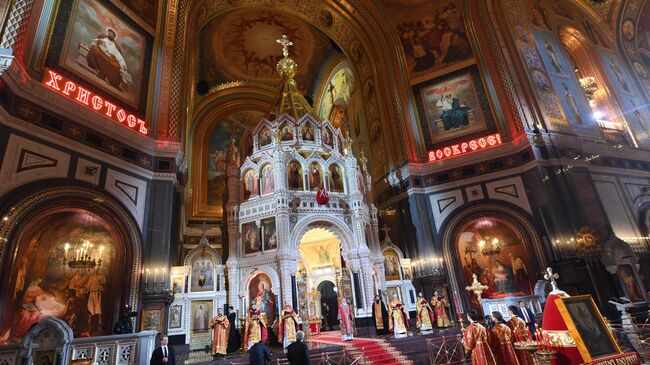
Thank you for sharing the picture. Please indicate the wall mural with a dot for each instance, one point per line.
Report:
(201, 313)
(43, 286)
(240, 45)
(391, 265)
(145, 9)
(452, 108)
(202, 278)
(336, 97)
(259, 293)
(251, 238)
(269, 234)
(634, 109)
(103, 47)
(494, 250)
(219, 139)
(432, 33)
(563, 79)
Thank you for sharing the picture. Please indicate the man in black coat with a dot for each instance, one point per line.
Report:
(298, 352)
(163, 355)
(234, 340)
(259, 354)
(528, 316)
(379, 309)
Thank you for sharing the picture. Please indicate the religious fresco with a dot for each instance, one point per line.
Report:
(630, 283)
(326, 136)
(175, 316)
(432, 34)
(315, 176)
(145, 9)
(269, 234)
(308, 133)
(240, 45)
(250, 184)
(336, 96)
(286, 132)
(319, 248)
(151, 320)
(202, 274)
(391, 265)
(452, 108)
(104, 48)
(219, 141)
(336, 178)
(264, 138)
(563, 79)
(493, 249)
(259, 293)
(267, 181)
(44, 285)
(632, 105)
(200, 315)
(251, 238)
(295, 178)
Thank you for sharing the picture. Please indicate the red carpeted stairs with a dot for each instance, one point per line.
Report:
(376, 350)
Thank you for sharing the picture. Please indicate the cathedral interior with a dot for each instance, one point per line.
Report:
(180, 156)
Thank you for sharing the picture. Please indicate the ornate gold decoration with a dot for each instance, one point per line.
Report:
(561, 338)
(587, 242)
(477, 288)
(290, 101)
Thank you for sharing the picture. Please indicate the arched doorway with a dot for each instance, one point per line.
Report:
(329, 304)
(321, 274)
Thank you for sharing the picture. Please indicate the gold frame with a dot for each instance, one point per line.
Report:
(584, 352)
(146, 311)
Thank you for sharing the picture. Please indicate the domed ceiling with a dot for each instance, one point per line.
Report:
(241, 45)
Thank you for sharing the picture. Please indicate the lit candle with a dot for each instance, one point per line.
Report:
(66, 247)
(101, 251)
(456, 299)
(146, 278)
(155, 275)
(164, 274)
(77, 256)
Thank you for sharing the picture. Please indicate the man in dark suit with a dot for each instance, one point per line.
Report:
(163, 355)
(298, 352)
(234, 340)
(259, 354)
(528, 316)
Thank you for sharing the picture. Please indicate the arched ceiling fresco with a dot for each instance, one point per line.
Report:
(241, 45)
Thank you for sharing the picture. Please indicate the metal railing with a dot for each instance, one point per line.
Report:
(447, 350)
(341, 357)
(633, 334)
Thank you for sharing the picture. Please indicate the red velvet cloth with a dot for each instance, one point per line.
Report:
(552, 321)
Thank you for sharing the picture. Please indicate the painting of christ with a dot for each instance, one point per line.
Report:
(106, 49)
(201, 314)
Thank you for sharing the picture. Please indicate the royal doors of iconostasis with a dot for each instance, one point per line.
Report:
(199, 290)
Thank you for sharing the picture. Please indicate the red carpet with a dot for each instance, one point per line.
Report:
(376, 350)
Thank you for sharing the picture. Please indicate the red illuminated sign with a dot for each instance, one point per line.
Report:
(477, 144)
(90, 100)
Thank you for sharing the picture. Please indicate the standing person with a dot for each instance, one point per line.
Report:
(440, 310)
(288, 326)
(326, 315)
(528, 316)
(397, 319)
(520, 333)
(255, 330)
(163, 355)
(502, 339)
(347, 321)
(234, 340)
(475, 341)
(380, 314)
(220, 325)
(259, 354)
(424, 315)
(298, 352)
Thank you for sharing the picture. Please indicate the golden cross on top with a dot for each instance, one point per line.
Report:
(552, 277)
(285, 42)
(477, 288)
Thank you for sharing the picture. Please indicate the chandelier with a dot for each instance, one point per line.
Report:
(85, 254)
(489, 248)
(589, 86)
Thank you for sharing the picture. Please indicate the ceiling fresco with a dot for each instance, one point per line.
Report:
(241, 45)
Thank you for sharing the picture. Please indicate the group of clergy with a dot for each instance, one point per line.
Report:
(395, 320)
(225, 336)
(495, 346)
(430, 312)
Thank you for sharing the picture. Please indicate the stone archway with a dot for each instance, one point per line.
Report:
(41, 203)
(518, 221)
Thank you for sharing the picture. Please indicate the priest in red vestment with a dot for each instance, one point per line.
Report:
(347, 321)
(220, 326)
(475, 341)
(288, 326)
(255, 330)
(501, 340)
